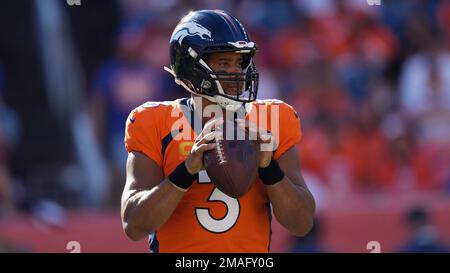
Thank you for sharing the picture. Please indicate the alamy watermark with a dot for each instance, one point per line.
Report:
(257, 121)
(373, 2)
(73, 246)
(374, 247)
(73, 2)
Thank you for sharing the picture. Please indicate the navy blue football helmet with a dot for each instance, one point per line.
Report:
(210, 31)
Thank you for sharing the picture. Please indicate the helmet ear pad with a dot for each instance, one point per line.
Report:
(197, 78)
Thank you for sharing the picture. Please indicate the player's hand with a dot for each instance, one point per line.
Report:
(264, 143)
(194, 161)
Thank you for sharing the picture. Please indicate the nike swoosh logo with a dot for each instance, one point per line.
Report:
(132, 120)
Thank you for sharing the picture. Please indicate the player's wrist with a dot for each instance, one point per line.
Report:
(271, 174)
(265, 163)
(189, 170)
(181, 177)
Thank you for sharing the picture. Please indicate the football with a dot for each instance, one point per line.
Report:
(232, 165)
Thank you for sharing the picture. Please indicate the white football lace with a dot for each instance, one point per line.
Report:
(220, 154)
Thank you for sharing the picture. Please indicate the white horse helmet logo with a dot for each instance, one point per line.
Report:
(191, 29)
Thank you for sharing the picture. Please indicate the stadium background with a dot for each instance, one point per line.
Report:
(371, 83)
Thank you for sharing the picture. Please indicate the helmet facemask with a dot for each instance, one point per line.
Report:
(229, 90)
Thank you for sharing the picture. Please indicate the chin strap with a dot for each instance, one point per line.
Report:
(228, 104)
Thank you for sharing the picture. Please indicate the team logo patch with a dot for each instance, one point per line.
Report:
(184, 148)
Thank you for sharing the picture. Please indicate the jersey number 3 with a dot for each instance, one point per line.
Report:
(204, 216)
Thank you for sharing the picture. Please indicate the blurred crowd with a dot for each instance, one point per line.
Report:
(371, 83)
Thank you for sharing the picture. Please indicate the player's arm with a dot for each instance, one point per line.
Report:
(292, 202)
(149, 199)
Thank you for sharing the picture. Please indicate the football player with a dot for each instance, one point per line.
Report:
(168, 195)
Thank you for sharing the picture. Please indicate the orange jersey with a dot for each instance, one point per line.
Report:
(207, 220)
